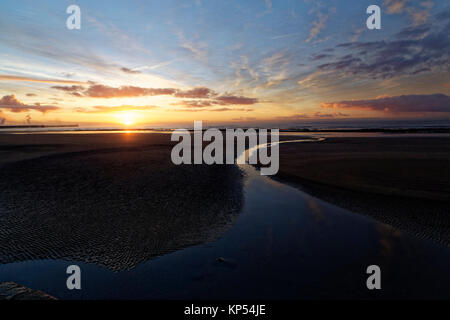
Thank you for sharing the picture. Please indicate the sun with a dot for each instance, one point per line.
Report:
(126, 118)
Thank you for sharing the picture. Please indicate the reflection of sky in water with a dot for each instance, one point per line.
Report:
(285, 244)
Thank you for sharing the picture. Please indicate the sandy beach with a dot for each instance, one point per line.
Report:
(112, 199)
(400, 180)
(114, 204)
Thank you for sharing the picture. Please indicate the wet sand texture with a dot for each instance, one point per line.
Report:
(401, 181)
(113, 206)
(14, 291)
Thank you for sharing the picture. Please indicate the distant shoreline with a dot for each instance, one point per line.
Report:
(76, 127)
(39, 126)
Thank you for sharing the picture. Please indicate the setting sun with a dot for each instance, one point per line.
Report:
(127, 118)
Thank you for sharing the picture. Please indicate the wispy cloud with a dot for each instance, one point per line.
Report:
(28, 79)
(418, 14)
(412, 51)
(320, 22)
(395, 6)
(103, 91)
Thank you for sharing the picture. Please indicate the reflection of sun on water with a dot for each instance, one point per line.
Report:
(126, 117)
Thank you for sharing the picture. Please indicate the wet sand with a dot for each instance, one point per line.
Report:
(111, 199)
(402, 181)
(94, 200)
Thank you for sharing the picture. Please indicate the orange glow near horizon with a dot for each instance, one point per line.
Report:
(126, 118)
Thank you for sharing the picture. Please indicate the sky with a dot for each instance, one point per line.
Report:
(173, 62)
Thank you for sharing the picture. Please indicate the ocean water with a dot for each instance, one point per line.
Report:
(336, 124)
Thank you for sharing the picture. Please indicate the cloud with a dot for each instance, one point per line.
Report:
(236, 100)
(231, 109)
(418, 15)
(197, 49)
(317, 57)
(69, 88)
(447, 85)
(414, 32)
(224, 109)
(31, 95)
(319, 24)
(107, 109)
(413, 50)
(220, 100)
(329, 115)
(195, 103)
(155, 66)
(397, 104)
(302, 116)
(11, 104)
(102, 91)
(395, 6)
(18, 78)
(131, 71)
(196, 93)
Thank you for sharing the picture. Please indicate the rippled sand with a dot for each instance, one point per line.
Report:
(113, 206)
(399, 180)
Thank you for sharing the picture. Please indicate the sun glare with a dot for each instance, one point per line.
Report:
(126, 118)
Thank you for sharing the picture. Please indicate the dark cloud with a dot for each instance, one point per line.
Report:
(320, 56)
(231, 109)
(126, 70)
(31, 95)
(302, 116)
(224, 109)
(396, 104)
(443, 15)
(236, 100)
(102, 91)
(413, 50)
(71, 89)
(11, 104)
(414, 32)
(330, 115)
(196, 93)
(211, 97)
